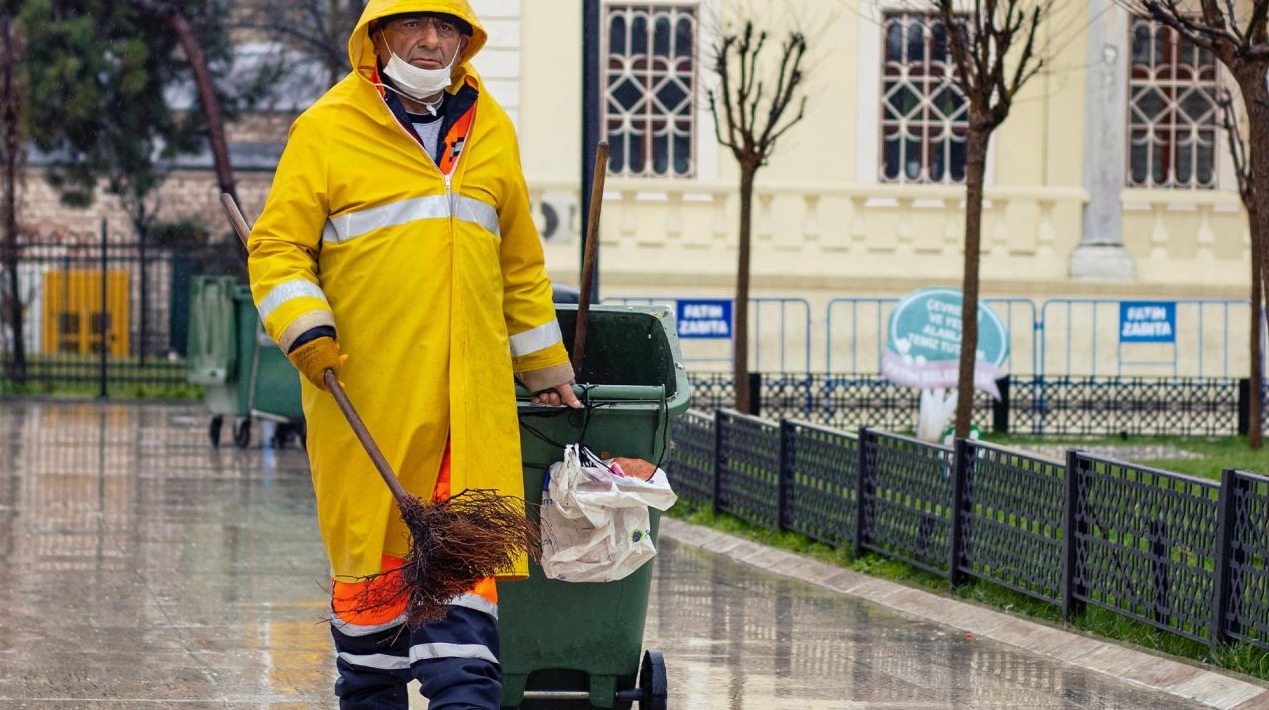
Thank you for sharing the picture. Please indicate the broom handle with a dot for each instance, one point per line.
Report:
(332, 382)
(589, 252)
(367, 442)
(236, 220)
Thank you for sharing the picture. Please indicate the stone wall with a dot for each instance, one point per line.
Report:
(185, 195)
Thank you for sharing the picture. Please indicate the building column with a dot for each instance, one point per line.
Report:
(1101, 253)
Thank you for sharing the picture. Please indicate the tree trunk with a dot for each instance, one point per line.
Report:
(206, 99)
(740, 308)
(12, 145)
(1256, 100)
(975, 173)
(1255, 434)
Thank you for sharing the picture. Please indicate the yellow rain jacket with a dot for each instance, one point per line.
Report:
(435, 285)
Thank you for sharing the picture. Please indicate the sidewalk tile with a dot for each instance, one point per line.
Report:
(1218, 691)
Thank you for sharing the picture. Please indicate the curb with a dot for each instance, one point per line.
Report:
(1142, 668)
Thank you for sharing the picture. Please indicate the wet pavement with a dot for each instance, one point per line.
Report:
(145, 569)
(736, 637)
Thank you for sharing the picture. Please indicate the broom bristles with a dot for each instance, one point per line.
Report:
(453, 544)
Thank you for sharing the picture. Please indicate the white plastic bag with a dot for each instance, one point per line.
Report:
(595, 523)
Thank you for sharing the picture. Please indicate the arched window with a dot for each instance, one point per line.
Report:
(924, 116)
(1173, 115)
(650, 84)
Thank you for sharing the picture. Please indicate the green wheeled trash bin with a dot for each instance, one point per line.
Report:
(210, 352)
(578, 645)
(243, 373)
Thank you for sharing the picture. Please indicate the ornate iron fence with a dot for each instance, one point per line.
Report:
(1109, 406)
(1143, 542)
(905, 501)
(1008, 509)
(748, 463)
(1080, 406)
(693, 452)
(822, 466)
(1243, 582)
(1184, 555)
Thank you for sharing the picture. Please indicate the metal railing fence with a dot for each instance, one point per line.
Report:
(104, 316)
(1184, 555)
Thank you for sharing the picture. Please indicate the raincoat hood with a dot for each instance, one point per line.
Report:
(361, 49)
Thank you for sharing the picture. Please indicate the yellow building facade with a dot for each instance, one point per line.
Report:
(1111, 179)
(1079, 203)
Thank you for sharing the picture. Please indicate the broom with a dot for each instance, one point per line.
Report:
(453, 542)
(590, 251)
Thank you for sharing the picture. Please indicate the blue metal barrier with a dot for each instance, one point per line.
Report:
(789, 318)
(872, 313)
(1061, 337)
(1019, 316)
(1090, 327)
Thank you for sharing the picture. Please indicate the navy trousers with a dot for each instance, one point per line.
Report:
(455, 660)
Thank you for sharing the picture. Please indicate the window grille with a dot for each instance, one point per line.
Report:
(1172, 113)
(924, 116)
(649, 79)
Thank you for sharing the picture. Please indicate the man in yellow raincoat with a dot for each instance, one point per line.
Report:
(397, 248)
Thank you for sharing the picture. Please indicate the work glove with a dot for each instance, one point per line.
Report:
(313, 358)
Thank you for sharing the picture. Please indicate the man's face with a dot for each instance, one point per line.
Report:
(425, 42)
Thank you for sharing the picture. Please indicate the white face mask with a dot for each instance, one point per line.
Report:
(415, 82)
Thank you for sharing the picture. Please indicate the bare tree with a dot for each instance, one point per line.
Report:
(317, 29)
(1237, 34)
(170, 13)
(749, 123)
(982, 42)
(11, 157)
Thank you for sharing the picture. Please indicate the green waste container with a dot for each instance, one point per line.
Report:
(578, 644)
(243, 373)
(211, 351)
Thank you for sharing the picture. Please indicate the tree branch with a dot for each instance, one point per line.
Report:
(959, 54)
(789, 77)
(721, 64)
(801, 112)
(1021, 73)
(753, 109)
(1203, 35)
(746, 105)
(316, 41)
(1256, 26)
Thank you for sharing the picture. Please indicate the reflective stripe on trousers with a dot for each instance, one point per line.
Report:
(454, 659)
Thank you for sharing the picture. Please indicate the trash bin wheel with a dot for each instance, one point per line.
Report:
(652, 681)
(213, 429)
(242, 433)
